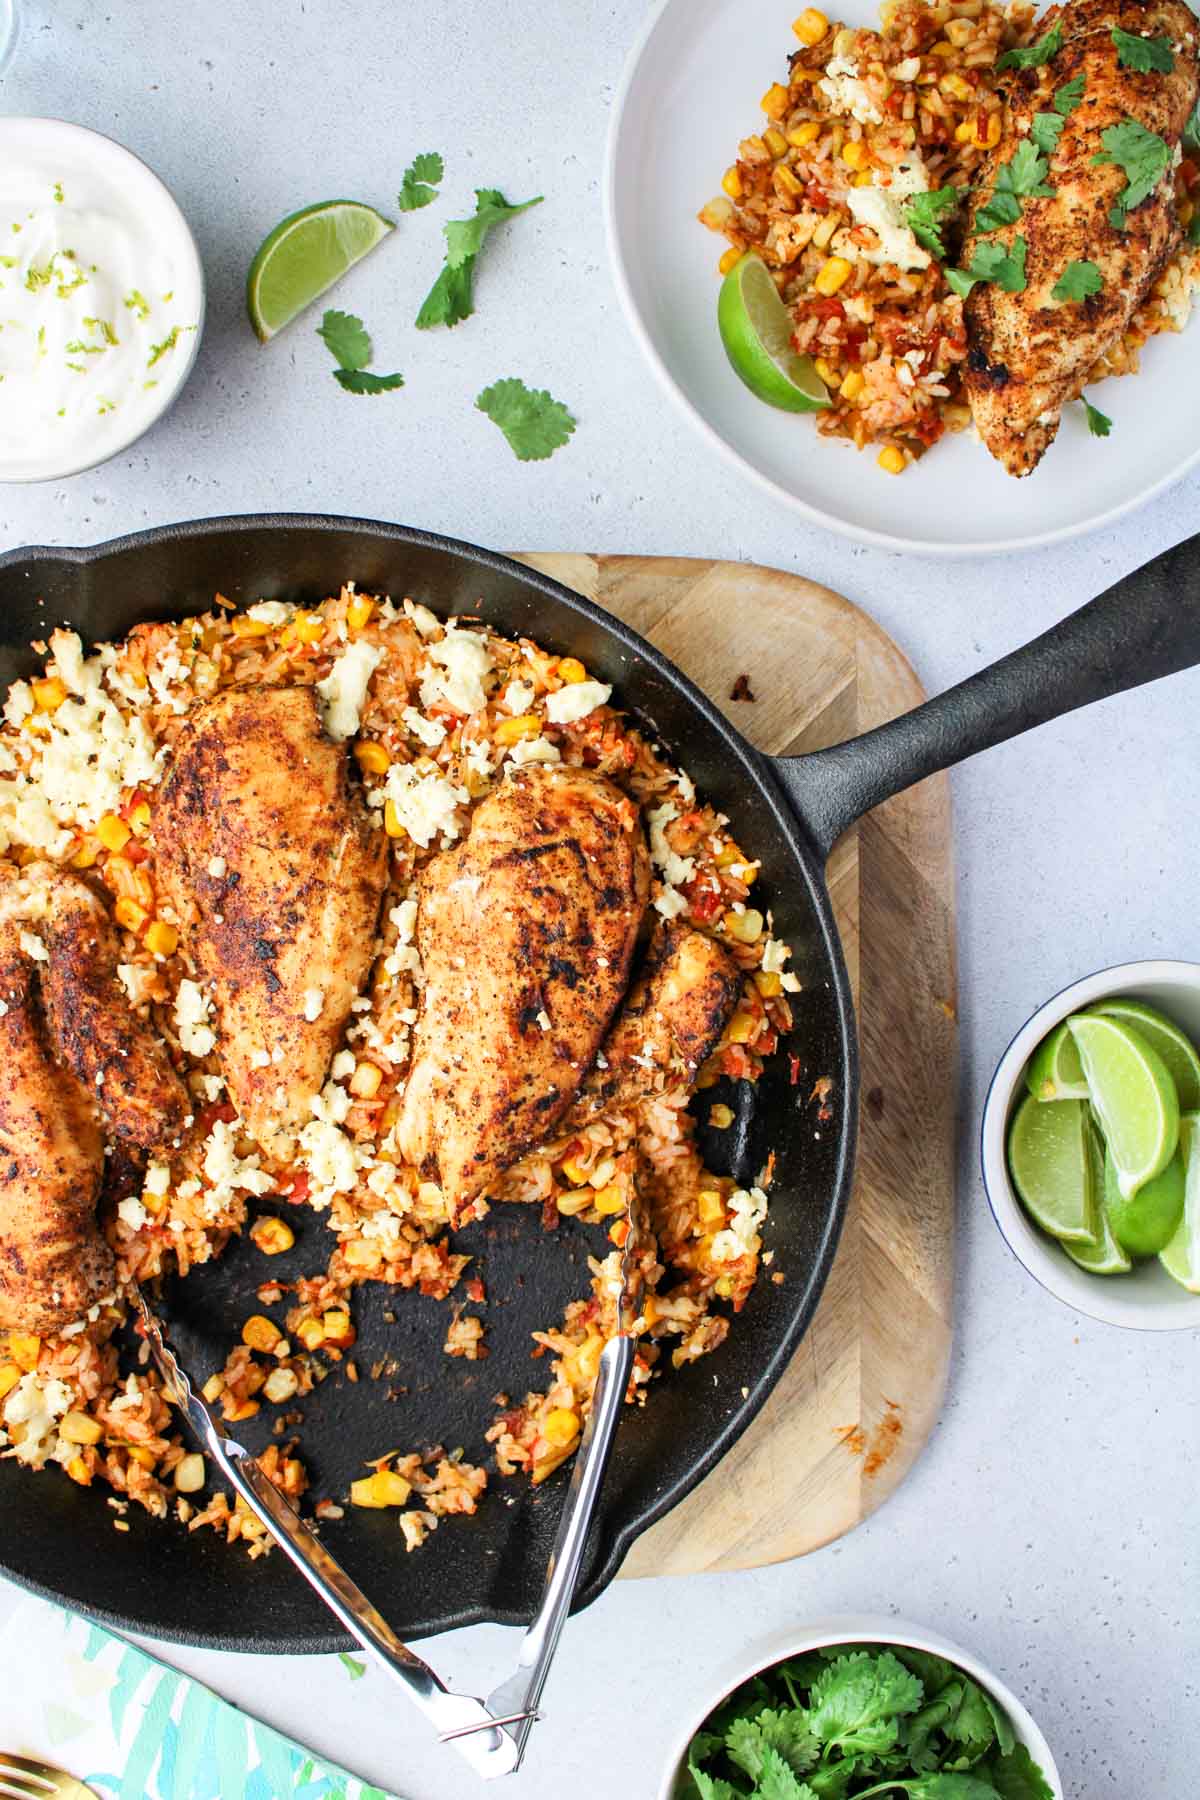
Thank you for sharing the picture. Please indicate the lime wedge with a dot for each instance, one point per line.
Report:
(1134, 1096)
(1102, 1255)
(1181, 1258)
(1163, 1035)
(1055, 1071)
(756, 330)
(305, 254)
(1051, 1169)
(1144, 1223)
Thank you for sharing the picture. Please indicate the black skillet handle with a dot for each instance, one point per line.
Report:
(1145, 627)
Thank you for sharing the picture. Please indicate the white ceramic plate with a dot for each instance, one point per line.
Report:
(690, 93)
(1147, 1299)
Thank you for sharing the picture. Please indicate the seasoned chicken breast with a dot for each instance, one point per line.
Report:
(276, 872)
(671, 1022)
(1032, 353)
(526, 931)
(54, 1262)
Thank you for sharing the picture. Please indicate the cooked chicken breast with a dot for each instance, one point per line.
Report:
(1030, 354)
(671, 1022)
(526, 931)
(54, 1262)
(276, 872)
(92, 1029)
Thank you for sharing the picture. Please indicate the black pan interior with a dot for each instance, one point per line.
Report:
(58, 1538)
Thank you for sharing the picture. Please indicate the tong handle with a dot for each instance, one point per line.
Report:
(520, 1694)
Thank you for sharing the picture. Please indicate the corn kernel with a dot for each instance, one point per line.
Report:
(800, 135)
(573, 1200)
(855, 154)
(941, 48)
(189, 1474)
(785, 179)
(309, 627)
(731, 181)
(161, 939)
(775, 141)
(78, 1428)
(825, 230)
(511, 731)
(571, 669)
(609, 1200)
(853, 383)
(768, 983)
(25, 1351)
(960, 31)
(113, 832)
(729, 260)
(891, 460)
(87, 855)
(154, 1203)
(48, 693)
(828, 374)
(366, 1080)
(10, 1374)
(964, 133)
(78, 1470)
(710, 1207)
(724, 1287)
(213, 1388)
(864, 178)
(143, 1457)
(272, 1236)
(575, 1173)
(359, 611)
(650, 1310)
(391, 821)
(811, 26)
(561, 1426)
(383, 1488)
(744, 927)
(720, 1117)
(130, 915)
(241, 1409)
(139, 817)
(260, 1332)
(311, 1333)
(280, 1385)
(243, 625)
(991, 131)
(742, 1027)
(337, 1328)
(956, 86)
(776, 103)
(833, 274)
(371, 757)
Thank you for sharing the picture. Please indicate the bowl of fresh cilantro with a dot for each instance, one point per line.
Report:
(863, 1706)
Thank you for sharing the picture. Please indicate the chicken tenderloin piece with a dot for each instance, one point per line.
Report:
(670, 1024)
(1030, 353)
(54, 1261)
(276, 873)
(526, 933)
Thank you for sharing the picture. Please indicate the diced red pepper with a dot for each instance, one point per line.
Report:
(297, 1187)
(219, 1113)
(794, 1069)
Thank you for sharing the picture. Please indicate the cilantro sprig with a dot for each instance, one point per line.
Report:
(1077, 281)
(926, 215)
(1098, 423)
(1146, 55)
(451, 299)
(1144, 158)
(535, 424)
(1022, 177)
(418, 186)
(992, 262)
(849, 1722)
(349, 343)
(1034, 55)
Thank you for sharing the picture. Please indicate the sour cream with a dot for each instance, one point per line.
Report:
(101, 299)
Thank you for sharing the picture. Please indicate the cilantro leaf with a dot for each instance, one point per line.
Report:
(1001, 1724)
(346, 338)
(960, 282)
(1069, 96)
(1022, 177)
(1098, 423)
(361, 381)
(1077, 281)
(947, 1786)
(534, 424)
(710, 1787)
(777, 1781)
(415, 191)
(1001, 209)
(971, 1723)
(1017, 1777)
(991, 262)
(1034, 55)
(450, 299)
(465, 237)
(1146, 55)
(855, 1703)
(1046, 131)
(1191, 135)
(1142, 155)
(923, 216)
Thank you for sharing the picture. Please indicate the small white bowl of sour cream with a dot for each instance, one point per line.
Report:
(101, 296)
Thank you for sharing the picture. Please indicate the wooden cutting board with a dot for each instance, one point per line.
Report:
(850, 1416)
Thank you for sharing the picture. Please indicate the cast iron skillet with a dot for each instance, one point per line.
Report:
(58, 1539)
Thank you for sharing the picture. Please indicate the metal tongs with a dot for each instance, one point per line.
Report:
(490, 1735)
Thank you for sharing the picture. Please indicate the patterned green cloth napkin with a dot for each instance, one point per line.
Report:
(134, 1729)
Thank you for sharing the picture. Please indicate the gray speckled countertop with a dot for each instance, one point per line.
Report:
(1051, 1523)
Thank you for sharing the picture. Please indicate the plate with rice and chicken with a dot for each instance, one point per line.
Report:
(946, 234)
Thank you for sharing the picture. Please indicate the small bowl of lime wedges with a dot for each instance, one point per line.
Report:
(1091, 1145)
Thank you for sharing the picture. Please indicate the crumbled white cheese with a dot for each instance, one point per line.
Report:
(37, 1405)
(670, 903)
(741, 1238)
(908, 70)
(227, 1172)
(543, 1019)
(424, 621)
(464, 659)
(882, 209)
(344, 689)
(343, 1065)
(427, 731)
(270, 612)
(192, 1010)
(314, 1004)
(19, 703)
(131, 1212)
(846, 93)
(478, 757)
(217, 867)
(33, 947)
(774, 956)
(404, 918)
(261, 1059)
(158, 1179)
(3, 1008)
(518, 697)
(675, 869)
(331, 1157)
(425, 804)
(533, 750)
(576, 701)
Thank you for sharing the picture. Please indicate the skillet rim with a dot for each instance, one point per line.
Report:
(793, 831)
